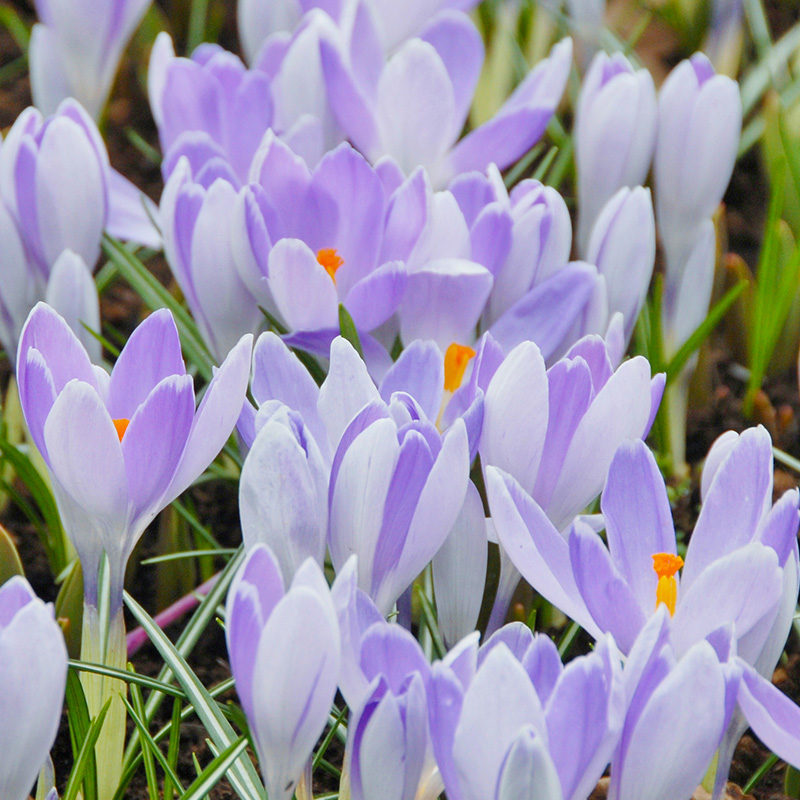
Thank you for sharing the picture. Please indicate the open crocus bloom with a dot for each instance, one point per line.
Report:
(120, 447)
(741, 563)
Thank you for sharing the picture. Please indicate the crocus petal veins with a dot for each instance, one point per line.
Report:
(121, 425)
(666, 565)
(331, 260)
(455, 364)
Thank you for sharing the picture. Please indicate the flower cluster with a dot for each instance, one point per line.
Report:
(419, 375)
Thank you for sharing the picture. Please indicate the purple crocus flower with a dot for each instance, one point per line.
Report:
(396, 488)
(259, 21)
(102, 437)
(413, 106)
(209, 108)
(507, 728)
(58, 193)
(741, 559)
(680, 710)
(284, 651)
(699, 122)
(197, 222)
(615, 133)
(33, 674)
(283, 491)
(622, 246)
(308, 241)
(524, 240)
(555, 431)
(76, 49)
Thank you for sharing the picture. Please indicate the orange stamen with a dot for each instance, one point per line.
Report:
(331, 260)
(455, 364)
(666, 566)
(121, 426)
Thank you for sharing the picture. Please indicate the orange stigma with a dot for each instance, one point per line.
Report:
(331, 260)
(121, 426)
(455, 364)
(666, 565)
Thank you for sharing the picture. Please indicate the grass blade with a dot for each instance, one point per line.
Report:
(85, 757)
(243, 775)
(216, 770)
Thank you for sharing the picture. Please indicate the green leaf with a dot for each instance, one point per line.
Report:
(791, 783)
(432, 624)
(131, 677)
(10, 564)
(79, 724)
(150, 746)
(52, 533)
(14, 24)
(216, 770)
(156, 296)
(243, 775)
(172, 749)
(703, 331)
(85, 760)
(348, 330)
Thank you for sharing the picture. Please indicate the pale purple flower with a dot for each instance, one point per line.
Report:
(741, 562)
(507, 729)
(555, 431)
(682, 708)
(306, 241)
(615, 134)
(699, 123)
(284, 650)
(524, 240)
(120, 447)
(77, 47)
(396, 488)
(33, 674)
(258, 21)
(209, 108)
(197, 217)
(622, 246)
(283, 491)
(412, 107)
(58, 193)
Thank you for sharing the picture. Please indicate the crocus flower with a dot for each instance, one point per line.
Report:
(680, 709)
(76, 49)
(524, 240)
(102, 438)
(699, 122)
(389, 752)
(396, 488)
(284, 650)
(306, 241)
(556, 432)
(741, 559)
(413, 106)
(58, 193)
(622, 246)
(507, 729)
(283, 492)
(197, 222)
(33, 674)
(615, 133)
(209, 108)
(258, 21)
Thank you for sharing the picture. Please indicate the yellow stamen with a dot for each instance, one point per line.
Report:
(666, 565)
(455, 364)
(331, 260)
(121, 426)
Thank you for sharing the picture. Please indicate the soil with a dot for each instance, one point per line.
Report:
(719, 409)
